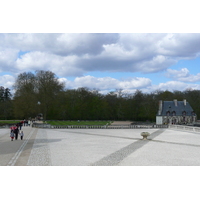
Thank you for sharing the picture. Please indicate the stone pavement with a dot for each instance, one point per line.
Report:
(100, 147)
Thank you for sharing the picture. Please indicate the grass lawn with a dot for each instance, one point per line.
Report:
(9, 121)
(78, 123)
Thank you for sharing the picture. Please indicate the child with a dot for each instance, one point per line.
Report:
(12, 135)
(21, 134)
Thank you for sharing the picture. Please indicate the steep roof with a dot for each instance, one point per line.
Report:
(179, 109)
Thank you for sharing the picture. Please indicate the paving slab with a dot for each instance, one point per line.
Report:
(101, 147)
(171, 148)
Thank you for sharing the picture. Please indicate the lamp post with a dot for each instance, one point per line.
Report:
(38, 116)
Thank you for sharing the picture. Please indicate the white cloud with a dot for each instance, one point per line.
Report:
(93, 82)
(184, 72)
(135, 83)
(7, 59)
(107, 83)
(146, 53)
(61, 44)
(77, 54)
(81, 44)
(61, 66)
(156, 64)
(175, 85)
(180, 45)
(183, 75)
(7, 81)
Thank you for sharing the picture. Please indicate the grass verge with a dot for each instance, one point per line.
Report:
(3, 122)
(78, 123)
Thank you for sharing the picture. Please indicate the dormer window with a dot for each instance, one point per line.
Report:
(174, 113)
(167, 113)
(183, 113)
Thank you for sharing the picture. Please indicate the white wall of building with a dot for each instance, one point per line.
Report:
(159, 120)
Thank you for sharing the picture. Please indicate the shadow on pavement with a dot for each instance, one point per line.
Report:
(10, 147)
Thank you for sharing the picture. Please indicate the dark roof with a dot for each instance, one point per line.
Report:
(179, 109)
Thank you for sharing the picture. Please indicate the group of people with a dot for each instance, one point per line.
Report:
(25, 122)
(16, 130)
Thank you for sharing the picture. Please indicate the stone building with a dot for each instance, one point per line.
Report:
(175, 112)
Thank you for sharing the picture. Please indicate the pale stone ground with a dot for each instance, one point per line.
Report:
(101, 147)
(79, 147)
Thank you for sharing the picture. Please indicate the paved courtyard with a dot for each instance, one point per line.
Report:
(100, 147)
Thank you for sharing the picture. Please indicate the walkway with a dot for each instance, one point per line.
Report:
(100, 147)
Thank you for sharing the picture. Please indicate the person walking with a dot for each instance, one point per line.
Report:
(16, 131)
(12, 135)
(21, 134)
(20, 125)
(29, 122)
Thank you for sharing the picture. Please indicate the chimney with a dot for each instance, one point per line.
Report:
(160, 107)
(184, 102)
(175, 102)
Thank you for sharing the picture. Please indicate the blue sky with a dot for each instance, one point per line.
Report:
(143, 47)
(193, 65)
(105, 61)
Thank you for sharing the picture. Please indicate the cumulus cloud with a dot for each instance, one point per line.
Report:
(146, 53)
(182, 75)
(78, 54)
(156, 64)
(135, 83)
(7, 59)
(180, 45)
(7, 81)
(80, 44)
(174, 85)
(107, 83)
(61, 44)
(62, 66)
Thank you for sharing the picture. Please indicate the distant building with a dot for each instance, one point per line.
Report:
(175, 112)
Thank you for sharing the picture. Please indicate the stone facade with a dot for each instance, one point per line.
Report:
(175, 112)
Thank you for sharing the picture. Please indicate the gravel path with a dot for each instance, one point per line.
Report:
(116, 157)
(40, 155)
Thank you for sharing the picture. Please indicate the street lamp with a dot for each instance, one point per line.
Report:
(38, 115)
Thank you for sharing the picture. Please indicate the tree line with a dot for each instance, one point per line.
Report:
(41, 92)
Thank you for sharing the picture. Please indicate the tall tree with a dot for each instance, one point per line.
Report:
(5, 103)
(48, 88)
(112, 104)
(83, 103)
(25, 101)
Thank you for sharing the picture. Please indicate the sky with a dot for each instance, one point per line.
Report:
(105, 61)
(106, 46)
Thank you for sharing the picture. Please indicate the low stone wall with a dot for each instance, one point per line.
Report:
(7, 125)
(39, 125)
(185, 128)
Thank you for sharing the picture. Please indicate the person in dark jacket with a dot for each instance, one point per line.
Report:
(20, 125)
(16, 132)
